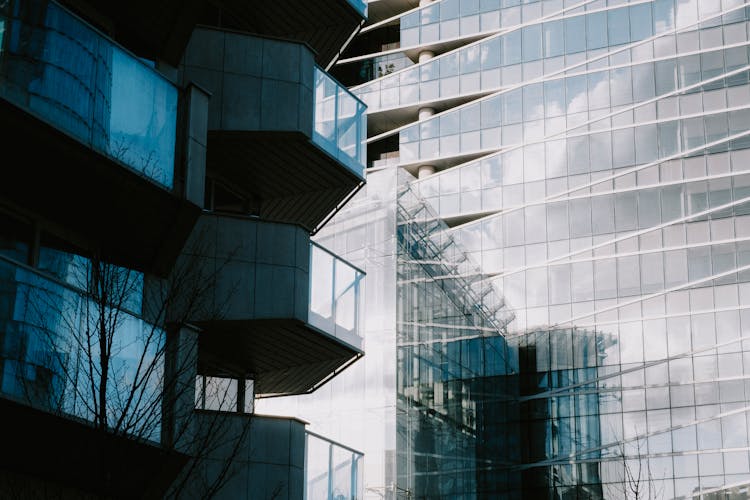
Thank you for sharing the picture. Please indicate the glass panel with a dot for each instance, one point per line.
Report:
(334, 294)
(332, 471)
(220, 394)
(316, 473)
(341, 470)
(340, 123)
(321, 284)
(346, 295)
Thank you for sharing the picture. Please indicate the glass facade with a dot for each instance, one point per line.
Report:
(598, 179)
(50, 333)
(60, 69)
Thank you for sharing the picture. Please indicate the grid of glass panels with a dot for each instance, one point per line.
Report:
(627, 92)
(611, 213)
(526, 51)
(454, 440)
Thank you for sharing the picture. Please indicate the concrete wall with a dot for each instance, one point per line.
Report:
(261, 268)
(250, 457)
(255, 83)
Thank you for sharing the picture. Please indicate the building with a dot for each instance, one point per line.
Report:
(167, 165)
(590, 157)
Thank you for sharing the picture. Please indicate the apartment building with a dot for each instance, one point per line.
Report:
(167, 165)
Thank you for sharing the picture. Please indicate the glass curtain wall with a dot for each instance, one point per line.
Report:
(610, 209)
(593, 159)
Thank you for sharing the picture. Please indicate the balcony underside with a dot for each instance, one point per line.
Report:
(132, 221)
(155, 30)
(292, 179)
(380, 121)
(48, 453)
(283, 356)
(324, 25)
(379, 10)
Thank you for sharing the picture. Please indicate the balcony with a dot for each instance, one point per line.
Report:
(286, 311)
(280, 129)
(92, 129)
(276, 457)
(332, 469)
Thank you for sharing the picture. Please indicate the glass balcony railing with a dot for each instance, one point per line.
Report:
(340, 123)
(332, 471)
(334, 295)
(60, 69)
(50, 357)
(360, 6)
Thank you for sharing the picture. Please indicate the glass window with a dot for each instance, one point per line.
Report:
(449, 123)
(470, 59)
(596, 27)
(641, 23)
(553, 38)
(618, 26)
(532, 43)
(663, 15)
(512, 106)
(533, 103)
(554, 97)
(625, 211)
(511, 44)
(575, 35)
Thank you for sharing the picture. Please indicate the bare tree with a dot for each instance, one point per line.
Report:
(637, 481)
(115, 349)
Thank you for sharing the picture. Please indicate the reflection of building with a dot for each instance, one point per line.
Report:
(165, 166)
(591, 157)
(453, 365)
(436, 393)
(560, 412)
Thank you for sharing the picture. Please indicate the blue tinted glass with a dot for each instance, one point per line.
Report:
(554, 39)
(618, 24)
(575, 35)
(596, 26)
(532, 43)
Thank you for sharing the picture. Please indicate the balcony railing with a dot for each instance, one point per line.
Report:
(64, 72)
(334, 295)
(332, 470)
(340, 123)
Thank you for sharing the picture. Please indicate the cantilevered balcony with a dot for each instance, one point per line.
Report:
(285, 310)
(89, 134)
(280, 129)
(276, 457)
